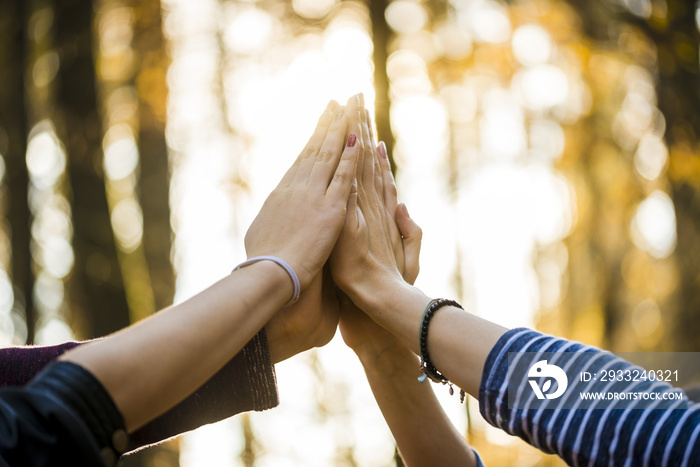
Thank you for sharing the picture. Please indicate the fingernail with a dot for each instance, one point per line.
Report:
(339, 113)
(360, 99)
(352, 139)
(381, 148)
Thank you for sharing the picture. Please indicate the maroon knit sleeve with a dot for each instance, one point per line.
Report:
(18, 365)
(247, 382)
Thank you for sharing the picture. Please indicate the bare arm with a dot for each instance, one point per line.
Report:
(151, 366)
(424, 435)
(459, 342)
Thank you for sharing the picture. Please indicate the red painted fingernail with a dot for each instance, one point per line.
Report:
(382, 149)
(352, 139)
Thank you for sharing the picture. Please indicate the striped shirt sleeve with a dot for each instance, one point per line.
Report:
(663, 432)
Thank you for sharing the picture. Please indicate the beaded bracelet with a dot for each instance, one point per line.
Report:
(292, 275)
(427, 369)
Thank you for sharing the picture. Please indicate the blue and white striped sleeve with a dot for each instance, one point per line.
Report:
(663, 432)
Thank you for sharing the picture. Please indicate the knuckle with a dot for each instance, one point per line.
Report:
(325, 118)
(326, 155)
(340, 177)
(309, 151)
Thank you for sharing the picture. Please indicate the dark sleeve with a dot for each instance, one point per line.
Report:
(64, 416)
(647, 423)
(21, 364)
(247, 382)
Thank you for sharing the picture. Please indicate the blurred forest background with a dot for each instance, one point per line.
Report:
(549, 148)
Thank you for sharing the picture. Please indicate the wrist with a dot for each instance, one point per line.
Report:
(277, 281)
(398, 307)
(278, 266)
(377, 357)
(372, 295)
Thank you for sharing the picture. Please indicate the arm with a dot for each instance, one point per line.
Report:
(309, 322)
(424, 434)
(644, 432)
(246, 382)
(142, 366)
(460, 345)
(473, 353)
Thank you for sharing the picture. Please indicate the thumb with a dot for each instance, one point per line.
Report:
(412, 236)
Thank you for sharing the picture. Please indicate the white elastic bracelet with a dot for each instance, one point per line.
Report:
(285, 266)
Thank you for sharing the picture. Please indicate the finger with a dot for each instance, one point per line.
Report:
(352, 207)
(313, 145)
(378, 181)
(341, 184)
(412, 236)
(390, 193)
(357, 100)
(355, 127)
(370, 125)
(367, 178)
(352, 219)
(326, 161)
(355, 106)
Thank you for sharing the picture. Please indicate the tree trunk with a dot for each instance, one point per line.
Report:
(13, 147)
(381, 34)
(96, 290)
(152, 63)
(679, 101)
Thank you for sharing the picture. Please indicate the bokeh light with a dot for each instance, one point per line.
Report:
(51, 233)
(535, 158)
(654, 225)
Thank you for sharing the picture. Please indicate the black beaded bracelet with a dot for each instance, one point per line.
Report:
(427, 369)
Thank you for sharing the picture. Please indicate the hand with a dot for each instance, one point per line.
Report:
(366, 338)
(369, 249)
(310, 322)
(302, 218)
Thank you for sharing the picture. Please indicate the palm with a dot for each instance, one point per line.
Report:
(310, 322)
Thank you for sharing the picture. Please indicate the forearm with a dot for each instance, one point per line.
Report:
(641, 431)
(247, 382)
(458, 341)
(424, 435)
(142, 367)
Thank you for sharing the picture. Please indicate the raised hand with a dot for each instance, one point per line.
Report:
(368, 251)
(423, 433)
(359, 332)
(308, 323)
(302, 218)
